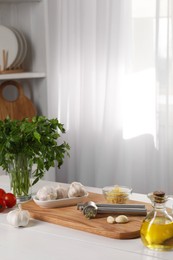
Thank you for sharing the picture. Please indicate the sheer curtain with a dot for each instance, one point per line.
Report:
(110, 83)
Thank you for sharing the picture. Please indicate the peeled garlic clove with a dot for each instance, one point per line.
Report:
(122, 219)
(110, 220)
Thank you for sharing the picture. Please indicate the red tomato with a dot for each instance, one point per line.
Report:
(2, 193)
(2, 205)
(10, 200)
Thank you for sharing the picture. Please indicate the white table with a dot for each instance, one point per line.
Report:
(44, 241)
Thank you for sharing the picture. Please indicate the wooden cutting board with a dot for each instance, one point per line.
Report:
(16, 109)
(73, 218)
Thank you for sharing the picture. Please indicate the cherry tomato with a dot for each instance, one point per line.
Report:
(2, 205)
(2, 193)
(10, 200)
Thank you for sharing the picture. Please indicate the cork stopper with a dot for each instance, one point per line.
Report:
(159, 196)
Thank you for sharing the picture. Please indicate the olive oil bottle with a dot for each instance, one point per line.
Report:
(157, 228)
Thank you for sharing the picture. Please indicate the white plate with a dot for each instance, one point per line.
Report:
(20, 50)
(25, 47)
(59, 202)
(9, 43)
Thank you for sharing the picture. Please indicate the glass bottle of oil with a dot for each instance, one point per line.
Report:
(157, 228)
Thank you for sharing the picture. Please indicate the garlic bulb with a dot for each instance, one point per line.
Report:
(18, 217)
(62, 192)
(46, 193)
(76, 189)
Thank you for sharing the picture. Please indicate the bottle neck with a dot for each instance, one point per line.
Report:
(159, 206)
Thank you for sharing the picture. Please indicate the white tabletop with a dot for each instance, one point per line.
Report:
(45, 241)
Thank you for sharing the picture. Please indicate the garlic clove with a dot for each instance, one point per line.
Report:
(121, 219)
(110, 220)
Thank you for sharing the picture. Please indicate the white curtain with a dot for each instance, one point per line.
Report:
(110, 83)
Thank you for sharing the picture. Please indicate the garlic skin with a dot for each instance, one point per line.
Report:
(76, 189)
(46, 193)
(61, 192)
(122, 219)
(18, 217)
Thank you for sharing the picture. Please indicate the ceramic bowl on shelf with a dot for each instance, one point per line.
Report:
(116, 194)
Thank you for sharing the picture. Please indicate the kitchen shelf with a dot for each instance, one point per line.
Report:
(30, 17)
(23, 75)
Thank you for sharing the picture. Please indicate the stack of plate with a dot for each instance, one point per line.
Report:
(13, 48)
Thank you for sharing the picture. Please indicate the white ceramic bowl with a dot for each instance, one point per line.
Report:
(59, 202)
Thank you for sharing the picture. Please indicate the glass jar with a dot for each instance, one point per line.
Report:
(20, 173)
(157, 228)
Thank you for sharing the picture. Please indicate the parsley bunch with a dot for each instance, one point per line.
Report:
(37, 140)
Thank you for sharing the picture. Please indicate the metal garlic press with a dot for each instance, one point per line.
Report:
(91, 209)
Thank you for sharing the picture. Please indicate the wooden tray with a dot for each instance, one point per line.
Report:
(73, 218)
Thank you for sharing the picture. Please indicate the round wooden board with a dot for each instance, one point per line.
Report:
(16, 109)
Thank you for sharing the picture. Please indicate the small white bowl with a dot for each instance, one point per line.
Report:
(59, 202)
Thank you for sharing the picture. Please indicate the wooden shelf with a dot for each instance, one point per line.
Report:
(23, 75)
